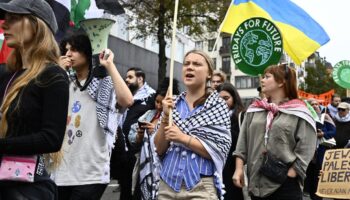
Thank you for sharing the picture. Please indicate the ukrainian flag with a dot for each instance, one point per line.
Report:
(301, 34)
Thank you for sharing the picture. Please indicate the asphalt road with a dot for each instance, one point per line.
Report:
(112, 191)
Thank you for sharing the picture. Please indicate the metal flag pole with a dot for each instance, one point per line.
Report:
(172, 55)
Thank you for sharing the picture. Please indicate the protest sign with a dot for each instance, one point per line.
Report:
(334, 181)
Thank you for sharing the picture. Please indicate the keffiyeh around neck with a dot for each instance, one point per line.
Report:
(294, 107)
(144, 92)
(211, 126)
(342, 119)
(102, 91)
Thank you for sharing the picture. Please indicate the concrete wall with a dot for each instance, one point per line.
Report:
(129, 55)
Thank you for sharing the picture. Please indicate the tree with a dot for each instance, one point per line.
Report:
(155, 17)
(319, 80)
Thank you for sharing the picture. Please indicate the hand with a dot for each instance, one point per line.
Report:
(238, 178)
(107, 62)
(320, 133)
(167, 104)
(174, 134)
(65, 62)
(149, 127)
(140, 135)
(292, 173)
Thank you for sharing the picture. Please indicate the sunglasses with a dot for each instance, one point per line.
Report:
(341, 109)
(314, 104)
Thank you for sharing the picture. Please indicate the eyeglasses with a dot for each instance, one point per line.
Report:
(314, 104)
(341, 109)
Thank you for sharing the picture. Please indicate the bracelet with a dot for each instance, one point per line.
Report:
(189, 141)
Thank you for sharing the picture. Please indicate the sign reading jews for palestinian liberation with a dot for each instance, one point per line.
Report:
(341, 73)
(334, 181)
(256, 44)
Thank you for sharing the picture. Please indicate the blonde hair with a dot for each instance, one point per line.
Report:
(206, 57)
(43, 50)
(220, 74)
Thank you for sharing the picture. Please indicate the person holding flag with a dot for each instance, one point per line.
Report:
(195, 147)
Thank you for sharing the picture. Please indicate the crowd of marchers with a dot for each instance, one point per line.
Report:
(67, 127)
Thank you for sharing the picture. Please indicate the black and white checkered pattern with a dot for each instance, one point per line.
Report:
(102, 91)
(209, 124)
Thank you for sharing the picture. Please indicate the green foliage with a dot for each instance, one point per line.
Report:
(198, 16)
(319, 80)
(154, 18)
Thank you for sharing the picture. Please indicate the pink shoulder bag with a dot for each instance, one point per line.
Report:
(17, 168)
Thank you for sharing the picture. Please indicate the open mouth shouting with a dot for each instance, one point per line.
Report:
(189, 76)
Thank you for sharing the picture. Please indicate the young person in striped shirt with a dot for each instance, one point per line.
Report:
(194, 148)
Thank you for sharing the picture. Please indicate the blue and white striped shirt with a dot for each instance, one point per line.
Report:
(182, 165)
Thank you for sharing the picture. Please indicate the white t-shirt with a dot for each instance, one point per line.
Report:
(86, 158)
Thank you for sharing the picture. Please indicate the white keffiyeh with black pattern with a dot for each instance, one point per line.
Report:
(102, 92)
(211, 126)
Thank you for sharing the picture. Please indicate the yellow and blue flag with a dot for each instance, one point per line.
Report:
(301, 34)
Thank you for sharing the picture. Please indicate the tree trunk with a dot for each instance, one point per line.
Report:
(162, 44)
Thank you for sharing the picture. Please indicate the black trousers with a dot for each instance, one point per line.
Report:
(289, 190)
(81, 192)
(311, 181)
(125, 180)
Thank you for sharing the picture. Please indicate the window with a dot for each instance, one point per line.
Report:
(226, 41)
(214, 61)
(246, 82)
(226, 64)
(199, 45)
(211, 45)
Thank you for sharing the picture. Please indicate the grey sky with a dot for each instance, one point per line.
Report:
(334, 17)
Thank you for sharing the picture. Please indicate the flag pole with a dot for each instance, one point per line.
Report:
(173, 45)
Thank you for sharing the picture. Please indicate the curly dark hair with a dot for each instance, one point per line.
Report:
(79, 42)
(163, 87)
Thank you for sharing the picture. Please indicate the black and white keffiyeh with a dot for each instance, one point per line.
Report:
(103, 93)
(211, 126)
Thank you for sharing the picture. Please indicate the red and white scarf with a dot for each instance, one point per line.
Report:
(293, 107)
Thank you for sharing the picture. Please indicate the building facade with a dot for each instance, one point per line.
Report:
(143, 53)
(221, 54)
